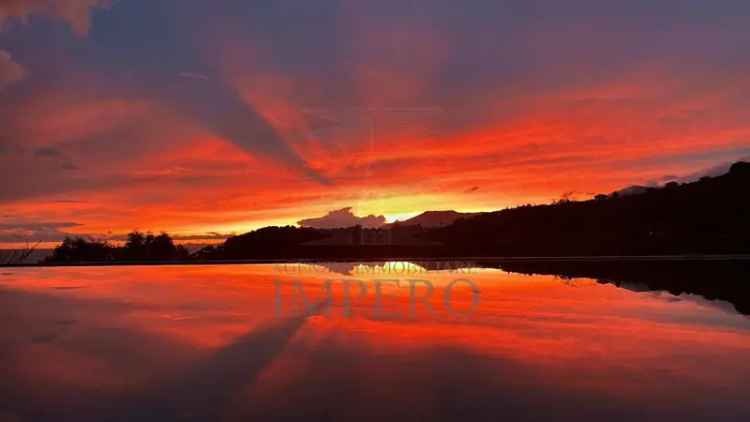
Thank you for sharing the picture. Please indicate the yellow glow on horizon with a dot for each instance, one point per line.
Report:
(400, 216)
(394, 207)
(401, 206)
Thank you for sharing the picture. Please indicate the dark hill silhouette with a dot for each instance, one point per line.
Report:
(704, 217)
(269, 242)
(432, 219)
(709, 216)
(631, 190)
(353, 242)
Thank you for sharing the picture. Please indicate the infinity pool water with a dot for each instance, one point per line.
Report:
(360, 342)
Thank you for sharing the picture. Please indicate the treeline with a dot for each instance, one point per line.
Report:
(709, 216)
(139, 247)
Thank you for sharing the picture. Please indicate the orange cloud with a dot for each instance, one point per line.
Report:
(389, 115)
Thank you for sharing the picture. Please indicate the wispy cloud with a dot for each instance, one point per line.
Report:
(74, 12)
(10, 71)
(191, 75)
(21, 230)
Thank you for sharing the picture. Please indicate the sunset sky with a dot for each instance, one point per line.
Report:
(206, 118)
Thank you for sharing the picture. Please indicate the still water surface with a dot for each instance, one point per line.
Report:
(360, 342)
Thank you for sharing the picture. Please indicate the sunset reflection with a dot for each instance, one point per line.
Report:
(178, 338)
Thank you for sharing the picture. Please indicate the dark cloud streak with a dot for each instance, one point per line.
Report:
(219, 108)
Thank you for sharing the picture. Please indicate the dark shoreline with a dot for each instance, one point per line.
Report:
(465, 259)
(722, 277)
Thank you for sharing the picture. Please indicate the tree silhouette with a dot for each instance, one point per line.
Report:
(138, 247)
(79, 249)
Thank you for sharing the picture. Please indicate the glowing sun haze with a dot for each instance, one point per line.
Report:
(206, 118)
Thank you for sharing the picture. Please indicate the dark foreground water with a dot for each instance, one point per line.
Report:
(351, 342)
